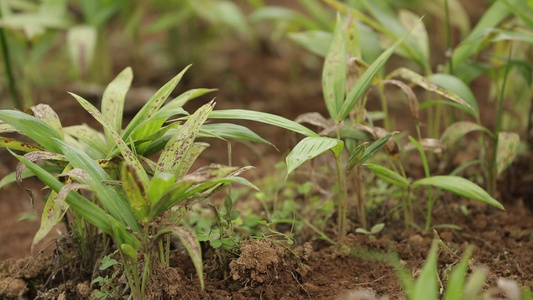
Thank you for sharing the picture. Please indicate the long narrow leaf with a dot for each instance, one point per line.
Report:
(334, 71)
(32, 127)
(389, 176)
(151, 107)
(364, 82)
(456, 281)
(110, 198)
(232, 131)
(177, 147)
(129, 156)
(427, 284)
(459, 186)
(113, 102)
(270, 119)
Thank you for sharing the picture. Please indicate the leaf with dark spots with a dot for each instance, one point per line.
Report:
(18, 145)
(45, 113)
(113, 102)
(178, 146)
(54, 210)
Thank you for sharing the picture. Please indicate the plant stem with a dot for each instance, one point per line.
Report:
(342, 198)
(7, 67)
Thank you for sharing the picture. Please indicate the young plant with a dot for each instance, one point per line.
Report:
(135, 200)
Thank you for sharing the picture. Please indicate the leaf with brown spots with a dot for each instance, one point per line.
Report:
(89, 136)
(334, 72)
(425, 84)
(136, 192)
(54, 210)
(177, 147)
(506, 150)
(457, 130)
(18, 145)
(46, 114)
(189, 240)
(113, 102)
(127, 153)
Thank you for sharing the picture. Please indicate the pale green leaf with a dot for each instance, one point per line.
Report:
(388, 176)
(456, 86)
(33, 128)
(460, 186)
(159, 185)
(18, 145)
(315, 41)
(457, 130)
(89, 136)
(46, 114)
(232, 131)
(270, 119)
(307, 149)
(334, 72)
(506, 150)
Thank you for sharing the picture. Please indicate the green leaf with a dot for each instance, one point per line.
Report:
(127, 154)
(456, 86)
(189, 240)
(232, 131)
(375, 147)
(427, 284)
(149, 109)
(33, 128)
(457, 130)
(506, 150)
(85, 208)
(270, 119)
(365, 80)
(89, 136)
(18, 145)
(424, 83)
(314, 41)
(113, 102)
(110, 198)
(54, 210)
(177, 147)
(454, 287)
(389, 176)
(159, 185)
(136, 193)
(490, 19)
(334, 72)
(356, 156)
(189, 158)
(309, 148)
(459, 186)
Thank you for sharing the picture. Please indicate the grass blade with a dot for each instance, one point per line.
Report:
(46, 114)
(456, 281)
(426, 286)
